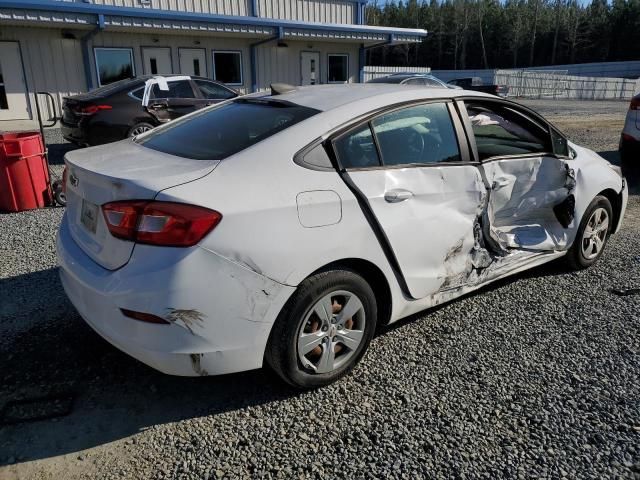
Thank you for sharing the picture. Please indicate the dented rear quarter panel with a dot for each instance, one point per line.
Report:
(593, 175)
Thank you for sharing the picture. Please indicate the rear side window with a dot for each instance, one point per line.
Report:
(219, 132)
(417, 135)
(178, 89)
(138, 93)
(357, 148)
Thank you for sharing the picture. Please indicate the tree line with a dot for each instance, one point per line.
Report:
(508, 34)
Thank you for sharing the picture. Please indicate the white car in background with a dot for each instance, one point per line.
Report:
(630, 138)
(283, 229)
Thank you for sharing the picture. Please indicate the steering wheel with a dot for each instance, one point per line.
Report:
(434, 148)
(415, 146)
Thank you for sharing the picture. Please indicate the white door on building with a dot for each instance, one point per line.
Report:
(13, 89)
(193, 61)
(156, 60)
(309, 68)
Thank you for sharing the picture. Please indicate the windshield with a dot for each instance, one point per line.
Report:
(219, 132)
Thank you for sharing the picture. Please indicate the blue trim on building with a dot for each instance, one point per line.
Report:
(92, 9)
(86, 51)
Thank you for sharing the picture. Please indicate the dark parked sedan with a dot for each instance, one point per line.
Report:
(117, 110)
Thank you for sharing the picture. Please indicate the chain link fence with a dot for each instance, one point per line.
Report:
(558, 84)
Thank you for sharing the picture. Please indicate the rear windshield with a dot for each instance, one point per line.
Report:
(217, 133)
(115, 86)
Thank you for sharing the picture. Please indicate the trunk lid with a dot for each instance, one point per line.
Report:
(118, 171)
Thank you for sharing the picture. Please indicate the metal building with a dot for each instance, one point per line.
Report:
(69, 46)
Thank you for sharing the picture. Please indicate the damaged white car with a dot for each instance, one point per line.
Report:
(282, 229)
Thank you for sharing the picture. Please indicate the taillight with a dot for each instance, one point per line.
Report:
(64, 179)
(635, 103)
(159, 223)
(91, 109)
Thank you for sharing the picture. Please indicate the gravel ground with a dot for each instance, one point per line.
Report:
(536, 376)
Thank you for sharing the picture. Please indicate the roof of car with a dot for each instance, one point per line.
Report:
(328, 97)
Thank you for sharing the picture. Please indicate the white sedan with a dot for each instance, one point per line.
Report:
(282, 229)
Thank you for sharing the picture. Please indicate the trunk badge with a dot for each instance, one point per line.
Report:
(74, 180)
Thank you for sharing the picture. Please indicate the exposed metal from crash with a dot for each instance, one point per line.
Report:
(189, 318)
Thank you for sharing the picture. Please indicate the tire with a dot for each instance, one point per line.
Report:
(58, 194)
(139, 128)
(582, 253)
(299, 319)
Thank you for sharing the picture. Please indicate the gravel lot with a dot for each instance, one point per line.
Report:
(534, 377)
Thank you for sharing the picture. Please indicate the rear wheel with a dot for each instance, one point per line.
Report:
(592, 235)
(324, 330)
(140, 128)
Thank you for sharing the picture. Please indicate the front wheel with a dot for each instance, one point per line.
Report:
(592, 235)
(324, 329)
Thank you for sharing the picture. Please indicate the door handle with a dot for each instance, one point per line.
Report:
(399, 195)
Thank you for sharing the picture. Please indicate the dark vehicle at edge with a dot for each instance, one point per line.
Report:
(476, 83)
(115, 111)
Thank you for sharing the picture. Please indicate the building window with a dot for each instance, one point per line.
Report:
(4, 104)
(338, 70)
(113, 64)
(227, 67)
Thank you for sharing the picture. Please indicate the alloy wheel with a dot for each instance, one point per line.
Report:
(139, 130)
(595, 233)
(331, 332)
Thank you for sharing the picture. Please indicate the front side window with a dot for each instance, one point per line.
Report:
(501, 131)
(338, 68)
(219, 132)
(113, 64)
(213, 91)
(177, 89)
(421, 134)
(227, 67)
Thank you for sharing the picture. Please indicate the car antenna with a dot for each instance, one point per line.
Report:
(280, 88)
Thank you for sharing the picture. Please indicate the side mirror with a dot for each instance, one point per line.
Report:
(560, 144)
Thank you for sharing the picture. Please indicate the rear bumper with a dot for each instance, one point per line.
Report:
(88, 132)
(220, 312)
(73, 133)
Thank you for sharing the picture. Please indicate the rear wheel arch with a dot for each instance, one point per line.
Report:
(616, 205)
(374, 276)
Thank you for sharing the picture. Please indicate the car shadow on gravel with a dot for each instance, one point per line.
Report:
(65, 389)
(57, 151)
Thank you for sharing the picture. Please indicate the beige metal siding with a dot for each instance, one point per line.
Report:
(277, 64)
(323, 11)
(136, 41)
(51, 63)
(222, 7)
